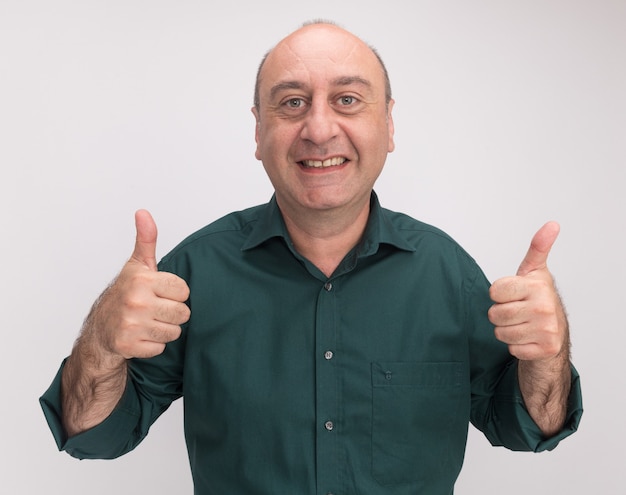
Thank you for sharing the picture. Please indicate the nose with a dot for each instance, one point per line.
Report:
(320, 123)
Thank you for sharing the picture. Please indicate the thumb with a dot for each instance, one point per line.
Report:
(145, 242)
(537, 256)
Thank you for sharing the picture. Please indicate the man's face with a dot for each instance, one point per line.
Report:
(323, 126)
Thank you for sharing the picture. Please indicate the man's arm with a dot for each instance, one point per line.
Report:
(529, 317)
(135, 317)
(93, 382)
(545, 387)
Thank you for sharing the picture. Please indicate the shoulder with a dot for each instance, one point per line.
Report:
(406, 223)
(418, 233)
(431, 246)
(231, 228)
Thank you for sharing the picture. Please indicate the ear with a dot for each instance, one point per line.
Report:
(390, 127)
(257, 119)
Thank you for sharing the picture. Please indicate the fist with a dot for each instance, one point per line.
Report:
(144, 308)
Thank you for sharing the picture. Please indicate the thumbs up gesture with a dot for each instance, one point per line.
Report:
(529, 317)
(528, 314)
(143, 309)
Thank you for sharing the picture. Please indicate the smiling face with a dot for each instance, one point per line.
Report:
(324, 125)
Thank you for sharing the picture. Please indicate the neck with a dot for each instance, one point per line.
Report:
(325, 237)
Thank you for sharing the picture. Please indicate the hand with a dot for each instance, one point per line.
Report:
(528, 314)
(144, 308)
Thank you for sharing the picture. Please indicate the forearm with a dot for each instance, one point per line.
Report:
(93, 380)
(92, 385)
(545, 387)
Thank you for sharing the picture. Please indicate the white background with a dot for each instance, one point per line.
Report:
(508, 114)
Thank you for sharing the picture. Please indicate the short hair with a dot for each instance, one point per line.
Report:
(257, 97)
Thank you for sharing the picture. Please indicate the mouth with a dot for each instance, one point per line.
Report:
(329, 162)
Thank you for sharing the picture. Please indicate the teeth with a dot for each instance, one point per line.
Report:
(331, 162)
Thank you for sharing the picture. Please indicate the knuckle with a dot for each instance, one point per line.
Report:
(184, 314)
(516, 336)
(157, 334)
(493, 291)
(175, 333)
(175, 313)
(498, 290)
(173, 286)
(542, 287)
(133, 302)
(137, 280)
(544, 308)
(504, 312)
(493, 313)
(162, 334)
(186, 292)
(183, 289)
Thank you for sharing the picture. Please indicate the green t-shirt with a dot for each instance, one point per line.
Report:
(297, 383)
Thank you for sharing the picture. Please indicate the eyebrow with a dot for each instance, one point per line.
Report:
(348, 80)
(340, 81)
(282, 86)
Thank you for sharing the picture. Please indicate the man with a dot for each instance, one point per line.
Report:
(327, 346)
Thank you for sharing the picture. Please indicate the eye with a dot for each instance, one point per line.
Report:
(294, 103)
(347, 100)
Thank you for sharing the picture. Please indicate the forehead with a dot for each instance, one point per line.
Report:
(321, 54)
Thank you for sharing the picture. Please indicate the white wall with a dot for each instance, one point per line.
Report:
(508, 114)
